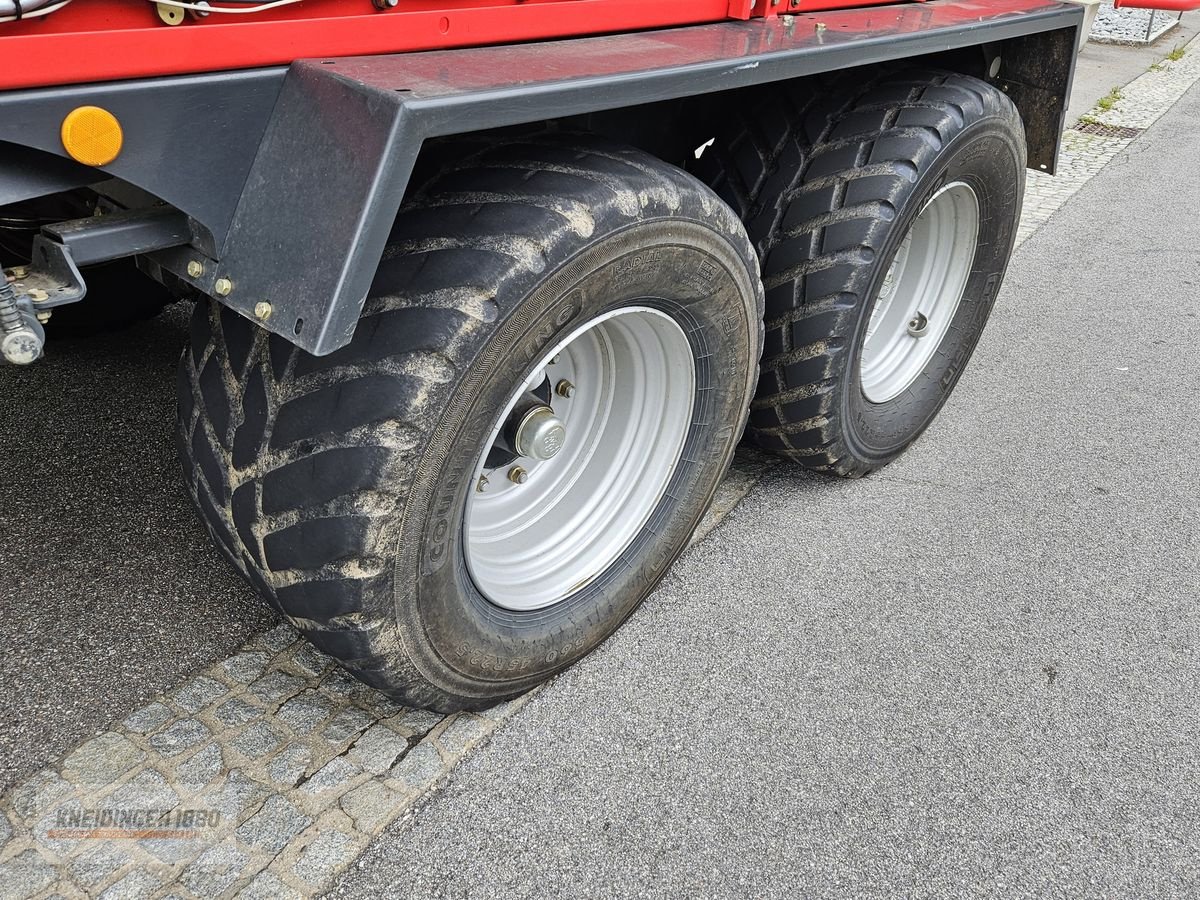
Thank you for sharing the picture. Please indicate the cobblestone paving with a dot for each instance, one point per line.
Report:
(275, 769)
(274, 766)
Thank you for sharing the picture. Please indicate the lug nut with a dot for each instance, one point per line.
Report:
(223, 287)
(195, 268)
(517, 475)
(918, 326)
(482, 484)
(262, 310)
(564, 388)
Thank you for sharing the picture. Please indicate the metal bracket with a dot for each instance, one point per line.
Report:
(53, 278)
(98, 239)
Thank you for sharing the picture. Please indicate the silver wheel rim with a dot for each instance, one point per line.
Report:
(920, 293)
(623, 388)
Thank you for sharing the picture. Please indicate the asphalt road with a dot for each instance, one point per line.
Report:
(974, 672)
(110, 588)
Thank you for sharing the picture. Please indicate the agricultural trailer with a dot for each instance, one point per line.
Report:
(486, 292)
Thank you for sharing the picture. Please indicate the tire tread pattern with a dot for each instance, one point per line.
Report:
(300, 465)
(817, 173)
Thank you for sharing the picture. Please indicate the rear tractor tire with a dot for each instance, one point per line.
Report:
(884, 214)
(547, 384)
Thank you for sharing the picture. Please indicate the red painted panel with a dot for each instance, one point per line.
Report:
(104, 40)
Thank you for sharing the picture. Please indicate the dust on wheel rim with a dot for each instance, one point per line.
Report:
(623, 388)
(921, 293)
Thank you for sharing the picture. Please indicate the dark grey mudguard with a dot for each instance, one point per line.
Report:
(291, 178)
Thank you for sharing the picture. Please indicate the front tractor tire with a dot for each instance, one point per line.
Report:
(547, 383)
(884, 212)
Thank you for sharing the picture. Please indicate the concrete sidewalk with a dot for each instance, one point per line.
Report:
(1101, 67)
(973, 672)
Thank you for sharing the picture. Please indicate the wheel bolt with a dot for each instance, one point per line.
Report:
(564, 388)
(482, 484)
(518, 475)
(918, 325)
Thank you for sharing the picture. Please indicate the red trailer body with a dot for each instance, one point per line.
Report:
(104, 40)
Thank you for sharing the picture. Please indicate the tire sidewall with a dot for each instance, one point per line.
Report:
(985, 156)
(458, 639)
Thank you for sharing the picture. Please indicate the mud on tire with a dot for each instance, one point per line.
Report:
(337, 485)
(829, 178)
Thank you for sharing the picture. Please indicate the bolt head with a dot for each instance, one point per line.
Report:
(517, 475)
(564, 388)
(262, 310)
(21, 348)
(223, 287)
(195, 268)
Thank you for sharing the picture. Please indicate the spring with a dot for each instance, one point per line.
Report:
(10, 316)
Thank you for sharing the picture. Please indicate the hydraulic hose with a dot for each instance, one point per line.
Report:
(15, 10)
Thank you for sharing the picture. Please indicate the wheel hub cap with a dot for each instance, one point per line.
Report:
(600, 427)
(541, 434)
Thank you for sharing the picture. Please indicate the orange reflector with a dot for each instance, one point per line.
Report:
(92, 135)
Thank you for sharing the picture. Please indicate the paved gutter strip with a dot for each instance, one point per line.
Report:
(303, 766)
(1143, 101)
